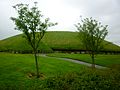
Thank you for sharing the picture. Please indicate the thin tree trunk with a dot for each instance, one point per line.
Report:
(36, 62)
(93, 61)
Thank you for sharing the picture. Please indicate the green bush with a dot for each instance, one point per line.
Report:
(85, 80)
(88, 80)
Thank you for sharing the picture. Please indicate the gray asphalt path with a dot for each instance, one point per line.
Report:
(75, 61)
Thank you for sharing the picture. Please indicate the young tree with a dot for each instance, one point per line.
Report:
(92, 34)
(31, 22)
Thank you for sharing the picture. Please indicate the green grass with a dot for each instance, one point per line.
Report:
(58, 74)
(55, 40)
(14, 69)
(104, 60)
(62, 40)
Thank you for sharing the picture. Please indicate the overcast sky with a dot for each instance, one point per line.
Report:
(66, 13)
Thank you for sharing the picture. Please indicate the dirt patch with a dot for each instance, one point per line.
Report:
(32, 75)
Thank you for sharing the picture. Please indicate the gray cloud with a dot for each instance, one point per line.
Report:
(66, 13)
(105, 11)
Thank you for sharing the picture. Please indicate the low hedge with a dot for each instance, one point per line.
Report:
(87, 80)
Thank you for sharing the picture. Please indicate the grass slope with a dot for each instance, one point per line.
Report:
(19, 43)
(54, 39)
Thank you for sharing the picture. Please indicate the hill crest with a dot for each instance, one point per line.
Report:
(52, 40)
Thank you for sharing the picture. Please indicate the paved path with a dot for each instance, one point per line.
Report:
(75, 61)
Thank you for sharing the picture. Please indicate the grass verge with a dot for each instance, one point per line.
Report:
(103, 60)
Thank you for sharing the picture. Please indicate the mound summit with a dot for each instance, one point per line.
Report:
(53, 40)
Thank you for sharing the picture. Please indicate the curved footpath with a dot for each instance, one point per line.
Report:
(74, 61)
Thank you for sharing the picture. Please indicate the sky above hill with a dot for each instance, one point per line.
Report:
(66, 13)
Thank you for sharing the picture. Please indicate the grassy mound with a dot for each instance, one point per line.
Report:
(70, 40)
(55, 40)
(19, 43)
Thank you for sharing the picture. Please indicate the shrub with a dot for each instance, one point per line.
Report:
(87, 80)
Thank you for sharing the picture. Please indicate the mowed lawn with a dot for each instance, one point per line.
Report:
(104, 60)
(14, 70)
